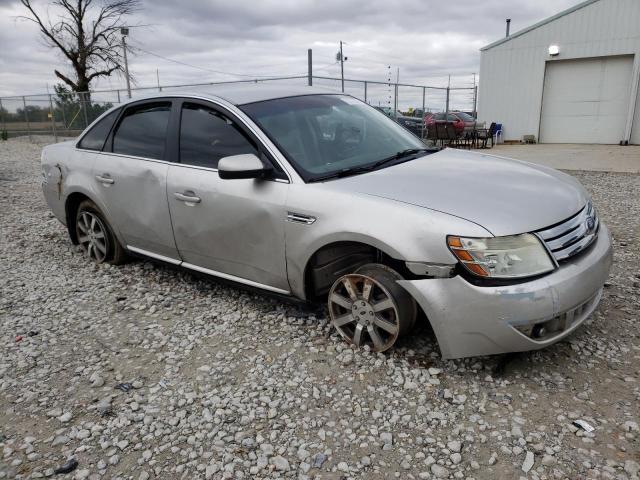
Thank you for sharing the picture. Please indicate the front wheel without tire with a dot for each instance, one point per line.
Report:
(96, 236)
(368, 307)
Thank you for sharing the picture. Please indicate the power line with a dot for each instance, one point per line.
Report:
(379, 55)
(326, 66)
(203, 68)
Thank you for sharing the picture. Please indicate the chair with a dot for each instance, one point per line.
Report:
(452, 135)
(432, 135)
(485, 135)
(441, 133)
(497, 135)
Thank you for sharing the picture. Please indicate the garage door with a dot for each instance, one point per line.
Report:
(586, 101)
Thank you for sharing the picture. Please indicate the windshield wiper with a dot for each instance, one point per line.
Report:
(400, 155)
(345, 172)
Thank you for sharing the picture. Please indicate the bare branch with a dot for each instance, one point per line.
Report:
(93, 49)
(43, 29)
(100, 73)
(66, 80)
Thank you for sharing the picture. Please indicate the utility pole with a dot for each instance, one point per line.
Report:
(124, 31)
(158, 80)
(448, 92)
(395, 109)
(310, 67)
(475, 97)
(342, 59)
(389, 85)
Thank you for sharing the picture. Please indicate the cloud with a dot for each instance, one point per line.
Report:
(426, 39)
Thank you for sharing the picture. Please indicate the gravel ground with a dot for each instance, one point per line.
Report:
(217, 382)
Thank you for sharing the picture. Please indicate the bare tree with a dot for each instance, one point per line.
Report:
(86, 35)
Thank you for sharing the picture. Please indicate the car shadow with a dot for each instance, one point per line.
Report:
(419, 349)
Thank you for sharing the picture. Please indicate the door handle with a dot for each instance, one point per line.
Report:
(187, 197)
(105, 179)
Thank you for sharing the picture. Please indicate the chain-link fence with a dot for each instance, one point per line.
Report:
(68, 114)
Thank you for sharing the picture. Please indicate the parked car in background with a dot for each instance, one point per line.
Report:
(441, 117)
(469, 122)
(413, 124)
(315, 195)
(462, 121)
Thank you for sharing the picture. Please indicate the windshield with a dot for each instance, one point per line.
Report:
(325, 134)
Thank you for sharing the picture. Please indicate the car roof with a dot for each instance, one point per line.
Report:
(242, 93)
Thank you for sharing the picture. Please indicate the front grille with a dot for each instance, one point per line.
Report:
(570, 237)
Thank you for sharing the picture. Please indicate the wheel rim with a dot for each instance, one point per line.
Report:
(364, 312)
(92, 236)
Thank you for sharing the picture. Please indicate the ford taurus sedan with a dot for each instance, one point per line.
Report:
(317, 195)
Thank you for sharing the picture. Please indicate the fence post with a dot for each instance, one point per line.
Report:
(26, 117)
(83, 102)
(118, 95)
(475, 101)
(447, 104)
(53, 120)
(2, 120)
(365, 91)
(395, 101)
(64, 114)
(424, 94)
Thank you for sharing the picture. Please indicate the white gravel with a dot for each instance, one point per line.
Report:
(216, 382)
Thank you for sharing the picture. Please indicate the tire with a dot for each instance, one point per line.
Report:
(96, 236)
(368, 307)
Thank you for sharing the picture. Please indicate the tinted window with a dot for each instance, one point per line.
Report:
(142, 130)
(95, 138)
(206, 136)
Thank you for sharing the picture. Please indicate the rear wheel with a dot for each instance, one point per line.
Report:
(96, 237)
(368, 307)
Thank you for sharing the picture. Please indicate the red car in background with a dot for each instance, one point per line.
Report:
(460, 120)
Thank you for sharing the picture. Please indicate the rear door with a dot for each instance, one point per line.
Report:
(131, 175)
(229, 228)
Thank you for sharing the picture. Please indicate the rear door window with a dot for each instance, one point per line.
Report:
(95, 138)
(142, 130)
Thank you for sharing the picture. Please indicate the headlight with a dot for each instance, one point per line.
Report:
(502, 257)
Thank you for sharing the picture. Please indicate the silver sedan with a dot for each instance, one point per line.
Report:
(316, 195)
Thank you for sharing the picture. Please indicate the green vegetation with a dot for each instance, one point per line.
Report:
(74, 110)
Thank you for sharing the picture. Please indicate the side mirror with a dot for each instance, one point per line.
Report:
(246, 165)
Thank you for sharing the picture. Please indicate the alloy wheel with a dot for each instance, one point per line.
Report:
(92, 236)
(364, 312)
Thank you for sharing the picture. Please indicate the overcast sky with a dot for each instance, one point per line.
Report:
(426, 39)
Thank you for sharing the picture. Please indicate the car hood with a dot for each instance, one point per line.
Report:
(503, 195)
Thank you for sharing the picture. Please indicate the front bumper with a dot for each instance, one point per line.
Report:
(470, 320)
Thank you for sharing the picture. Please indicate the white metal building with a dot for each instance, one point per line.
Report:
(572, 78)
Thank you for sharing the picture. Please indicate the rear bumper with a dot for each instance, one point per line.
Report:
(470, 320)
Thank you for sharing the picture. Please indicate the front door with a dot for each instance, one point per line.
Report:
(131, 175)
(234, 228)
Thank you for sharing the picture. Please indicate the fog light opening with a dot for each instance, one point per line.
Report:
(538, 331)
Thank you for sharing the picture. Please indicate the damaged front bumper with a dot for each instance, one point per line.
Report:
(471, 320)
